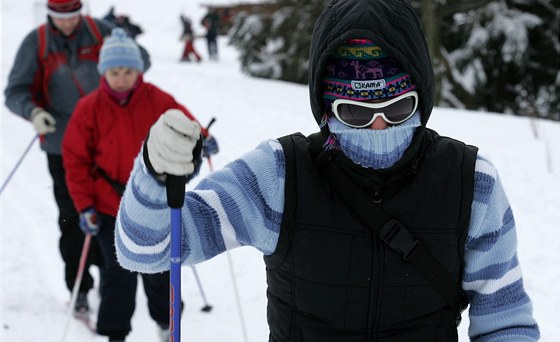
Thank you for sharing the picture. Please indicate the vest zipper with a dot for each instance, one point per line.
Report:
(375, 292)
(376, 272)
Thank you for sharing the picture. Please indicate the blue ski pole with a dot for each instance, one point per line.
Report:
(175, 198)
(18, 163)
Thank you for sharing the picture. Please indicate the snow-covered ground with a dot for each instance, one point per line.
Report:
(33, 295)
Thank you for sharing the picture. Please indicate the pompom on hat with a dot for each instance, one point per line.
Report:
(63, 9)
(119, 50)
(359, 70)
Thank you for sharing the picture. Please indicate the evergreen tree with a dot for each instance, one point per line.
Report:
(503, 57)
(495, 55)
(277, 46)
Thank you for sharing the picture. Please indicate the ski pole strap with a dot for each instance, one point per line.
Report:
(392, 232)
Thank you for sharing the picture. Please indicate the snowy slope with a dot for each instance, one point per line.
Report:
(33, 295)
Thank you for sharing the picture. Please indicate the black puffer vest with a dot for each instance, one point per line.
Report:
(332, 279)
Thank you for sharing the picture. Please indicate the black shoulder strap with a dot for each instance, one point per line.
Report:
(394, 234)
(117, 186)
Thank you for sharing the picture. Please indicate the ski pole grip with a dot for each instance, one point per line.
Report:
(175, 186)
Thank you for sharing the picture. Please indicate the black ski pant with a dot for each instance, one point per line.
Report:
(212, 46)
(71, 236)
(118, 288)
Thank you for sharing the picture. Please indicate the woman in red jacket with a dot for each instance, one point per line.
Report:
(104, 135)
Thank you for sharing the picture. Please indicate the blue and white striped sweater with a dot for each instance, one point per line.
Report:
(228, 208)
(500, 309)
(242, 205)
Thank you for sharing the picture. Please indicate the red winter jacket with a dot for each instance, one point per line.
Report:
(103, 134)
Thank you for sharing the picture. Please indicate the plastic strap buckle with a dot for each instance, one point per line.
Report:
(398, 238)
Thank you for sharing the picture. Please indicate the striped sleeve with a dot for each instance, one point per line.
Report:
(240, 205)
(500, 309)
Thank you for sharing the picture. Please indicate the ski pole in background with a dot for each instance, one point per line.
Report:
(207, 307)
(210, 123)
(77, 282)
(237, 298)
(230, 262)
(18, 163)
(175, 186)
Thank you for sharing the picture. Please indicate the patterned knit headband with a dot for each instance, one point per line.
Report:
(360, 70)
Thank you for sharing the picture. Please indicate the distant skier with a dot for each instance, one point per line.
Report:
(188, 37)
(211, 22)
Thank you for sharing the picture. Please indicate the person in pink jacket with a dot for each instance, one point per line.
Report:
(103, 137)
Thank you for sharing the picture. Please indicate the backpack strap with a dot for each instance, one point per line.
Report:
(93, 28)
(40, 87)
(42, 50)
(391, 232)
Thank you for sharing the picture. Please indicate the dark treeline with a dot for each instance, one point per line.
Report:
(494, 55)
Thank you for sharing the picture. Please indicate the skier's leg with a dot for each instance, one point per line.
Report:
(118, 286)
(209, 43)
(71, 238)
(193, 51)
(156, 287)
(215, 48)
(197, 56)
(185, 56)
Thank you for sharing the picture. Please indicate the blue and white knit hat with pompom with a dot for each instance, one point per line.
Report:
(119, 50)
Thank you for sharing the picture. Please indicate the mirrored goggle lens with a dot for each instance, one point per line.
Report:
(361, 115)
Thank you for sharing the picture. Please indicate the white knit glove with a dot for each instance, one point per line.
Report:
(170, 144)
(42, 121)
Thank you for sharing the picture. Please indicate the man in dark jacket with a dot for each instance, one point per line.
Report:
(211, 22)
(374, 229)
(55, 66)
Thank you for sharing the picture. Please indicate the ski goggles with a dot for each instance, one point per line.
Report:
(361, 114)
